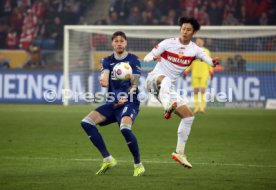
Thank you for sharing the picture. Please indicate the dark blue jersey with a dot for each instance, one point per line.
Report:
(118, 86)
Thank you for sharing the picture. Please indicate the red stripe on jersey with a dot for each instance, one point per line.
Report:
(177, 59)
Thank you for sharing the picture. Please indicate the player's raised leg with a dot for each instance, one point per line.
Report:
(183, 132)
(165, 84)
(89, 125)
(132, 144)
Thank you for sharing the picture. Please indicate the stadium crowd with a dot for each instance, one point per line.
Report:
(215, 12)
(40, 22)
(24, 22)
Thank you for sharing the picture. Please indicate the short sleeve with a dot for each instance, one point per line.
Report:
(105, 64)
(159, 49)
(136, 66)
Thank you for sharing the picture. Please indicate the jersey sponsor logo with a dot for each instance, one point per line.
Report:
(177, 59)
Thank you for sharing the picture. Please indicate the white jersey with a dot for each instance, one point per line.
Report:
(176, 57)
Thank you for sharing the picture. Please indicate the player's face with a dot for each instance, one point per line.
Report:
(119, 44)
(186, 32)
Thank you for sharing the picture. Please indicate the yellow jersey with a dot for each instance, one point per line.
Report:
(199, 68)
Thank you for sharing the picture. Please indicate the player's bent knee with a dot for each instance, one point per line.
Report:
(126, 120)
(125, 126)
(88, 120)
(96, 117)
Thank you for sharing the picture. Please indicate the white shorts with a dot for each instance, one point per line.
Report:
(151, 86)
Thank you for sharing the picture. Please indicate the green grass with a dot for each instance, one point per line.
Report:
(44, 147)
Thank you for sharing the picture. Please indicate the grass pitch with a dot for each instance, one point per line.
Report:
(44, 147)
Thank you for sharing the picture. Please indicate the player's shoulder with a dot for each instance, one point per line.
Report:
(132, 57)
(194, 46)
(170, 40)
(107, 59)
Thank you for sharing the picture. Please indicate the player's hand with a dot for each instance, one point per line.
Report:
(104, 83)
(157, 58)
(216, 61)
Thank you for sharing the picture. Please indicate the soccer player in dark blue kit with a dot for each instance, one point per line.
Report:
(118, 108)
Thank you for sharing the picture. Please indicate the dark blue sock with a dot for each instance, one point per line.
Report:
(132, 144)
(95, 137)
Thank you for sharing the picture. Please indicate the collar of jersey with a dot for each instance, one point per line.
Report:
(121, 58)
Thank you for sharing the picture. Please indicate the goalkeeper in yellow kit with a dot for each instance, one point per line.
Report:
(201, 72)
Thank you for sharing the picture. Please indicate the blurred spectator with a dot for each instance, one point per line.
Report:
(121, 8)
(50, 14)
(12, 40)
(16, 19)
(229, 64)
(263, 20)
(271, 46)
(230, 20)
(3, 34)
(6, 9)
(243, 18)
(189, 5)
(240, 62)
(35, 58)
(102, 21)
(153, 12)
(145, 19)
(4, 63)
(202, 16)
(134, 16)
(30, 22)
(215, 13)
(254, 9)
(39, 9)
(114, 19)
(68, 16)
(100, 41)
(26, 38)
(53, 35)
(171, 18)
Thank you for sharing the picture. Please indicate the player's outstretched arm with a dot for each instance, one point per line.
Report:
(134, 83)
(150, 57)
(104, 78)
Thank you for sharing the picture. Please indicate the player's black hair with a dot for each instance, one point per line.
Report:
(190, 20)
(118, 33)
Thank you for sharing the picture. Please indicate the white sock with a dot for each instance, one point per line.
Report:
(136, 165)
(164, 93)
(108, 159)
(183, 132)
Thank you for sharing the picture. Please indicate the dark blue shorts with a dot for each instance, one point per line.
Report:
(115, 114)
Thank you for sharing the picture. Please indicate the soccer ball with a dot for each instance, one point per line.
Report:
(122, 71)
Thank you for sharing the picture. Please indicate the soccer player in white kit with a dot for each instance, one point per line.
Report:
(173, 56)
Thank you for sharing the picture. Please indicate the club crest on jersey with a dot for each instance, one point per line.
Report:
(180, 54)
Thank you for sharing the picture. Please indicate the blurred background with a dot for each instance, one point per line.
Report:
(32, 43)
